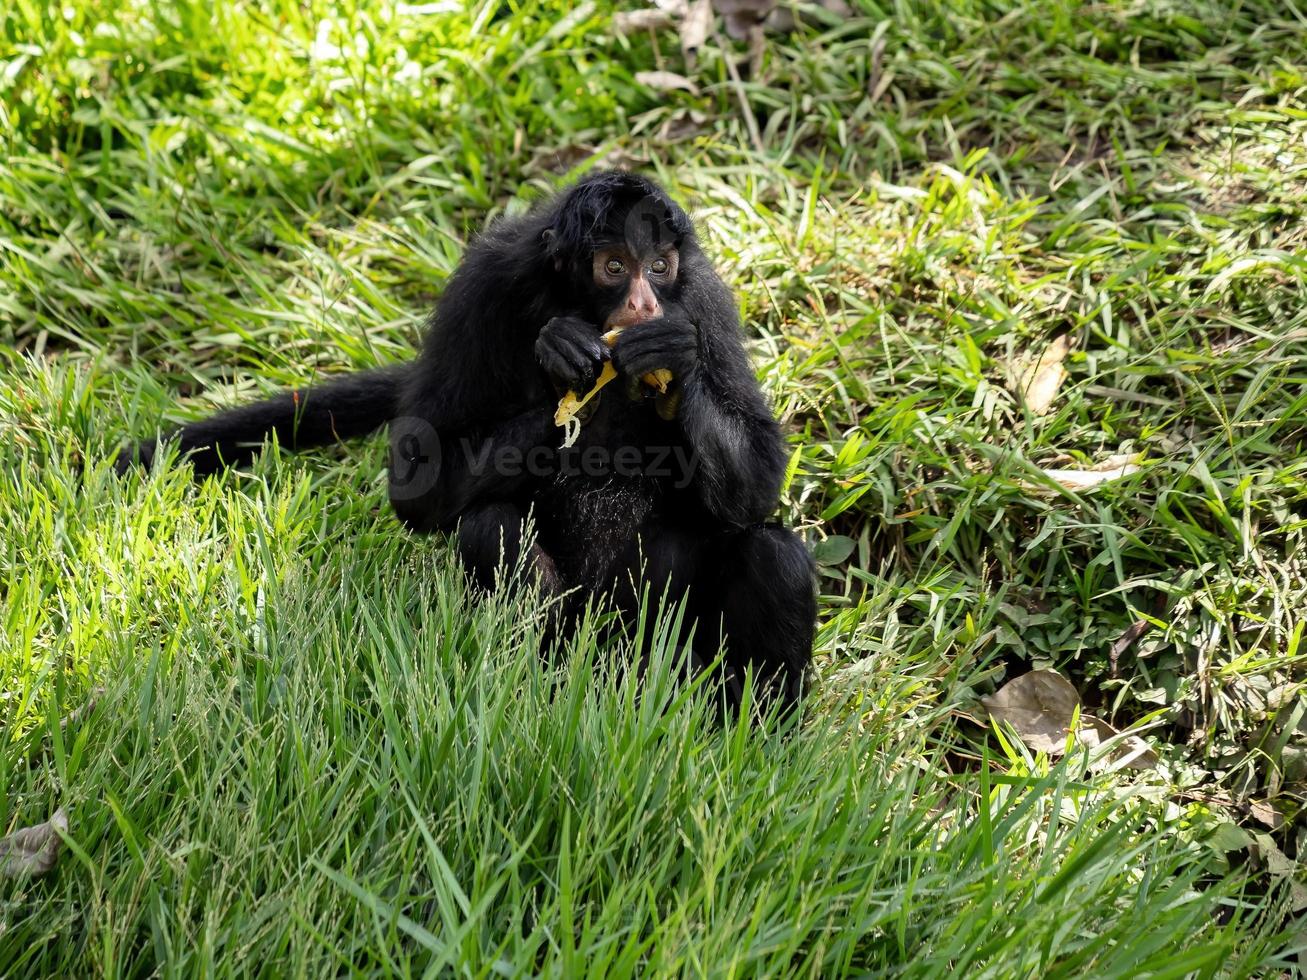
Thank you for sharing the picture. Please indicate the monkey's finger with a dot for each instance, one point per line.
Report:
(570, 371)
(669, 350)
(598, 350)
(578, 333)
(641, 364)
(588, 344)
(589, 360)
(639, 356)
(552, 360)
(574, 363)
(659, 335)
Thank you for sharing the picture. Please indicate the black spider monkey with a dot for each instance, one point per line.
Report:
(670, 491)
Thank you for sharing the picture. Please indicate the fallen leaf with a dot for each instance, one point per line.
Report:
(1040, 707)
(634, 21)
(694, 28)
(1281, 866)
(559, 160)
(1039, 383)
(786, 18)
(665, 81)
(1112, 468)
(742, 15)
(33, 850)
(1266, 814)
(1130, 752)
(681, 124)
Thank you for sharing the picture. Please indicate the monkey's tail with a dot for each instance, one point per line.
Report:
(344, 408)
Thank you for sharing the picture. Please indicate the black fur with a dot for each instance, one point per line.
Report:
(517, 325)
(345, 408)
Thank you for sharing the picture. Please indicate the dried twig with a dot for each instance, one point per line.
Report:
(750, 120)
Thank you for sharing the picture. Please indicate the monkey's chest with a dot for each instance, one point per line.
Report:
(588, 526)
(605, 487)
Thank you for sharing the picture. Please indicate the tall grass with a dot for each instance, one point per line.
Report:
(313, 752)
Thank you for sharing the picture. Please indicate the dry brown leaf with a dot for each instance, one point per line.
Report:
(1130, 752)
(681, 124)
(694, 29)
(1039, 383)
(33, 850)
(1112, 468)
(560, 159)
(634, 21)
(1040, 707)
(741, 16)
(665, 81)
(787, 18)
(1267, 814)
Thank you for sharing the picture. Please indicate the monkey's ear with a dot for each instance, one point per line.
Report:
(550, 238)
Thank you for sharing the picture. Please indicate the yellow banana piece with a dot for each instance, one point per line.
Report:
(570, 405)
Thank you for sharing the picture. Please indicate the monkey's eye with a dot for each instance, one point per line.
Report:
(659, 267)
(615, 267)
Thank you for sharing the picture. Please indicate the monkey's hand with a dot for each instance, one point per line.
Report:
(569, 408)
(572, 352)
(668, 343)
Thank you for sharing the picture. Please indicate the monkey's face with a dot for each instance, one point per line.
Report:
(631, 279)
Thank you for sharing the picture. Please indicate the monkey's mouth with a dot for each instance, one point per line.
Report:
(629, 318)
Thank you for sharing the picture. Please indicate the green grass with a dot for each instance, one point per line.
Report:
(313, 752)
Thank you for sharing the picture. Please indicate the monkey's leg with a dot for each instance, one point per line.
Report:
(662, 564)
(491, 540)
(439, 476)
(756, 586)
(655, 573)
(752, 587)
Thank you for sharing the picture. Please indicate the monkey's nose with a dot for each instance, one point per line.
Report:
(639, 312)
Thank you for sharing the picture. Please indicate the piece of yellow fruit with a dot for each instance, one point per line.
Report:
(570, 405)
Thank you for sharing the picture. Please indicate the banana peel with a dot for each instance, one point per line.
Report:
(570, 405)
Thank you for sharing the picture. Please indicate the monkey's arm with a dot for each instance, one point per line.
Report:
(435, 476)
(735, 442)
(738, 456)
(476, 395)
